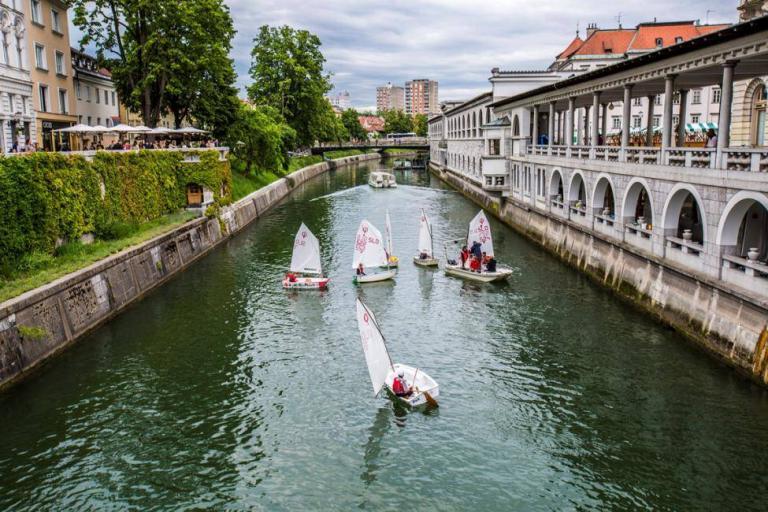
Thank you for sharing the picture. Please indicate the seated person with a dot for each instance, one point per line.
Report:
(474, 264)
(490, 266)
(291, 277)
(423, 256)
(360, 270)
(400, 386)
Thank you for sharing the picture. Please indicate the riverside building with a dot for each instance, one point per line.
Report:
(97, 101)
(673, 222)
(17, 116)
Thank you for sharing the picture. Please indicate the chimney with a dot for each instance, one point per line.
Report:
(591, 29)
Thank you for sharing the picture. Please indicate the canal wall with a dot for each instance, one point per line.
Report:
(38, 324)
(725, 323)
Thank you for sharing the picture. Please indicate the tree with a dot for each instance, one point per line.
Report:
(352, 124)
(260, 138)
(419, 122)
(287, 72)
(396, 121)
(327, 127)
(149, 46)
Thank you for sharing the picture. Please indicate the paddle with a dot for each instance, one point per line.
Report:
(431, 401)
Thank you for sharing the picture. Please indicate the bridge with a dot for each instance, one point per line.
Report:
(414, 143)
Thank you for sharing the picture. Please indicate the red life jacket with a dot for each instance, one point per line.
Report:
(397, 387)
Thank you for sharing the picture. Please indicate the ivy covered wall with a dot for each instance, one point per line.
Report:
(45, 197)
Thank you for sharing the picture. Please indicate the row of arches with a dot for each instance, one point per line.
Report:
(742, 226)
(472, 166)
(468, 124)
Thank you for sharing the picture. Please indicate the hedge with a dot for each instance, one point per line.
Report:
(50, 197)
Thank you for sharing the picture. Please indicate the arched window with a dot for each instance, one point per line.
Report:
(758, 129)
(516, 127)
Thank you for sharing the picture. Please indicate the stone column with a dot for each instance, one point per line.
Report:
(595, 119)
(682, 114)
(586, 126)
(535, 131)
(626, 115)
(551, 124)
(666, 131)
(604, 123)
(726, 100)
(649, 121)
(570, 118)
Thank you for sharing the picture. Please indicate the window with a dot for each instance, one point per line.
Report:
(98, 98)
(636, 122)
(758, 128)
(98, 121)
(6, 57)
(78, 90)
(716, 95)
(63, 107)
(616, 122)
(55, 22)
(87, 93)
(494, 147)
(656, 121)
(11, 100)
(696, 97)
(106, 97)
(659, 42)
(676, 98)
(678, 40)
(675, 121)
(695, 118)
(657, 99)
(60, 69)
(89, 120)
(43, 90)
(35, 12)
(40, 56)
(637, 102)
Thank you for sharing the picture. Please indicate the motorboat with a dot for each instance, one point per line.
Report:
(382, 179)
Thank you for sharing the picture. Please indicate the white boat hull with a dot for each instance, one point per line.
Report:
(306, 283)
(484, 277)
(375, 278)
(426, 262)
(424, 383)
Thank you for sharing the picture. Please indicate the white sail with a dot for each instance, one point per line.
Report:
(388, 232)
(306, 252)
(425, 235)
(369, 247)
(480, 231)
(376, 355)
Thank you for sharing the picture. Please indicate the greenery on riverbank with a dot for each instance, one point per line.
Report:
(38, 268)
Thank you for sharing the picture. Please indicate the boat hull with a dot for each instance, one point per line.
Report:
(484, 277)
(375, 278)
(424, 383)
(307, 283)
(427, 262)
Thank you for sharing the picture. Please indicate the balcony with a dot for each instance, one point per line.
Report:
(745, 273)
(495, 173)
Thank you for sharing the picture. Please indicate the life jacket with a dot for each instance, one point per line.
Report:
(397, 386)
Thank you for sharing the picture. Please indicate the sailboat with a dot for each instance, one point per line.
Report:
(306, 271)
(479, 231)
(426, 253)
(381, 369)
(392, 260)
(370, 254)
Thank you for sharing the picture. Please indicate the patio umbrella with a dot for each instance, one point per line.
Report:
(77, 128)
(141, 129)
(189, 131)
(122, 128)
(160, 130)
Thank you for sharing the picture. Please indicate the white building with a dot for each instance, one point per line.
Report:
(17, 115)
(97, 101)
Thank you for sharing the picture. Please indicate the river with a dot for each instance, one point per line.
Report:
(220, 391)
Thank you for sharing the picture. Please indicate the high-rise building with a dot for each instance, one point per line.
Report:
(51, 71)
(341, 100)
(421, 97)
(17, 116)
(390, 97)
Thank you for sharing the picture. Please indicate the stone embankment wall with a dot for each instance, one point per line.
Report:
(726, 324)
(36, 325)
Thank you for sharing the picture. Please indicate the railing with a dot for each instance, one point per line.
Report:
(731, 159)
(686, 246)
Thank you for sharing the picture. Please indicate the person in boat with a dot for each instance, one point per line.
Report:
(291, 277)
(477, 250)
(474, 264)
(400, 386)
(360, 270)
(423, 256)
(464, 256)
(490, 265)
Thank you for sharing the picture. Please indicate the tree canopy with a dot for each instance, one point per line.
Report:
(419, 124)
(287, 69)
(351, 122)
(162, 54)
(260, 138)
(396, 121)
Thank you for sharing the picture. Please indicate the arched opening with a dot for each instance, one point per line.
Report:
(474, 124)
(683, 217)
(758, 115)
(637, 206)
(516, 126)
(577, 193)
(556, 187)
(603, 200)
(744, 228)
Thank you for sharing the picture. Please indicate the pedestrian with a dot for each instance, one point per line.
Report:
(711, 138)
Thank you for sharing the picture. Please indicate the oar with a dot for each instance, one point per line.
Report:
(431, 401)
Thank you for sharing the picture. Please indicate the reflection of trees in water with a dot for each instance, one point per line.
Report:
(373, 446)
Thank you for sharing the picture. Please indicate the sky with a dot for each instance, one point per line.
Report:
(369, 43)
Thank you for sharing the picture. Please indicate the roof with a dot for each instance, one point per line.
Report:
(502, 121)
(602, 42)
(647, 33)
(575, 45)
(467, 103)
(729, 33)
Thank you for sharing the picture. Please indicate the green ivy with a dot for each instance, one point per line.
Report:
(50, 197)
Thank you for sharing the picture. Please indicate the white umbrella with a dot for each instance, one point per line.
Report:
(78, 128)
(189, 131)
(100, 129)
(121, 128)
(160, 130)
(141, 129)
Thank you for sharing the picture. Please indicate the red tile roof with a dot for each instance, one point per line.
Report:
(603, 42)
(371, 123)
(645, 40)
(575, 45)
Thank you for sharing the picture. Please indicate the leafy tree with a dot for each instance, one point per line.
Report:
(352, 123)
(260, 138)
(149, 46)
(327, 127)
(287, 72)
(396, 121)
(419, 122)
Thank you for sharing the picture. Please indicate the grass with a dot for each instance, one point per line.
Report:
(397, 151)
(74, 256)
